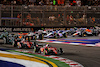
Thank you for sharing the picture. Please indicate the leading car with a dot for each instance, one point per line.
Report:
(47, 49)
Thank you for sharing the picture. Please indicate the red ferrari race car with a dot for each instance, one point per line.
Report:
(25, 43)
(46, 49)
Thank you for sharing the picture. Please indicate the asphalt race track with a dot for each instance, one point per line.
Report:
(87, 56)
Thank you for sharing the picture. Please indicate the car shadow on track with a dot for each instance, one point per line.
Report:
(68, 54)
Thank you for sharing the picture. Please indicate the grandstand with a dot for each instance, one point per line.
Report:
(39, 13)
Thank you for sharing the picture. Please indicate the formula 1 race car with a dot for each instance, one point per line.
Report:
(9, 39)
(25, 43)
(54, 35)
(83, 32)
(3, 34)
(46, 49)
(86, 32)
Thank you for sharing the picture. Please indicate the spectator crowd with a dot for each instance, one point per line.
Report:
(52, 2)
(61, 18)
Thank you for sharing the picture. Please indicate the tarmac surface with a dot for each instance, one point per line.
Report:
(87, 56)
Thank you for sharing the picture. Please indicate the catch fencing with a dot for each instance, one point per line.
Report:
(49, 16)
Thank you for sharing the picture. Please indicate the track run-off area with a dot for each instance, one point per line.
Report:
(26, 58)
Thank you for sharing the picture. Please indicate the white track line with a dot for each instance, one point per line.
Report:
(25, 63)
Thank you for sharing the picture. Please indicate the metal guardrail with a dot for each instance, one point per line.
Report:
(49, 15)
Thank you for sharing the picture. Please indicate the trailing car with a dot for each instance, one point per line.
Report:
(9, 39)
(25, 43)
(53, 35)
(3, 34)
(34, 35)
(63, 33)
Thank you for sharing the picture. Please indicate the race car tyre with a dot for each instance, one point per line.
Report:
(55, 36)
(96, 34)
(73, 36)
(15, 44)
(39, 51)
(60, 51)
(35, 38)
(65, 35)
(32, 46)
(58, 36)
(41, 37)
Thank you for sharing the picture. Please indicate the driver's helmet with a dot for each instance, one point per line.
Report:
(36, 45)
(47, 43)
(4, 30)
(21, 32)
(26, 38)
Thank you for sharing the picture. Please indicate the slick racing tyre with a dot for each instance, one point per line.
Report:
(15, 44)
(60, 51)
(35, 38)
(55, 35)
(39, 51)
(65, 35)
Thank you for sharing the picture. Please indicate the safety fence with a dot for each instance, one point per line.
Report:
(49, 16)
